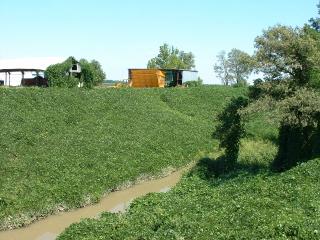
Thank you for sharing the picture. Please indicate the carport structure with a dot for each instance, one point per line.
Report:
(8, 72)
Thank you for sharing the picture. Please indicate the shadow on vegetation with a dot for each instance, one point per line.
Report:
(273, 138)
(209, 169)
(296, 145)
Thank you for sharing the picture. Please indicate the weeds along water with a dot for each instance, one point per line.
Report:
(249, 202)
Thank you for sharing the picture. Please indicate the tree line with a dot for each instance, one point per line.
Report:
(281, 52)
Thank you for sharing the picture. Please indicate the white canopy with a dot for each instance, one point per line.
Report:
(26, 63)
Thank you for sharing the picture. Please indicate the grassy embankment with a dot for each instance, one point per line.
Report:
(63, 149)
(239, 206)
(250, 202)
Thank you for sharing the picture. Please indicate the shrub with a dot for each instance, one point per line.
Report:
(195, 83)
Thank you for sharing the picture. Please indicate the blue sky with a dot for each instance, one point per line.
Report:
(125, 34)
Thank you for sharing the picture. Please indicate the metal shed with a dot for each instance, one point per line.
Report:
(177, 77)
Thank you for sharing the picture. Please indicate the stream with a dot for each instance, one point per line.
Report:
(50, 227)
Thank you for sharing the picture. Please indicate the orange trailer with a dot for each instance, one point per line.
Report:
(146, 78)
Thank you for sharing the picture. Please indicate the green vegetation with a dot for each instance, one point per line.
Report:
(259, 179)
(64, 148)
(216, 201)
(171, 57)
(213, 201)
(194, 83)
(234, 68)
(290, 61)
(59, 74)
(238, 206)
(230, 129)
(236, 194)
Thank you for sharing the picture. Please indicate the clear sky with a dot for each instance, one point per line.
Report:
(124, 34)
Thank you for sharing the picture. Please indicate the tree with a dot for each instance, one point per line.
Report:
(315, 22)
(91, 73)
(288, 53)
(171, 57)
(100, 75)
(234, 68)
(222, 69)
(240, 66)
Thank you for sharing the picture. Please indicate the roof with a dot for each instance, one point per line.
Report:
(21, 70)
(173, 69)
(165, 69)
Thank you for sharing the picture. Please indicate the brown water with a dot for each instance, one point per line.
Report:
(51, 227)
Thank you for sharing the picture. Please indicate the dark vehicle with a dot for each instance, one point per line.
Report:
(36, 81)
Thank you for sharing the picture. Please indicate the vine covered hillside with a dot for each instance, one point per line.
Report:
(64, 148)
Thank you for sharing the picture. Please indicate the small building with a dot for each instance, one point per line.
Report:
(145, 78)
(76, 68)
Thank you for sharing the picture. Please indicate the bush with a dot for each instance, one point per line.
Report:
(195, 83)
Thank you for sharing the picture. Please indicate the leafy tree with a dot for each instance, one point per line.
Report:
(91, 73)
(240, 66)
(100, 75)
(288, 53)
(87, 74)
(235, 68)
(222, 69)
(170, 57)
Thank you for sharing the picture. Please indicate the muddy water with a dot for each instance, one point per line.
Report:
(51, 227)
